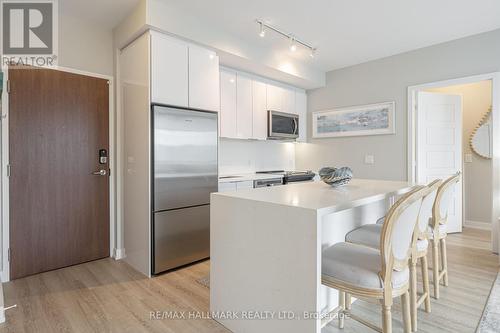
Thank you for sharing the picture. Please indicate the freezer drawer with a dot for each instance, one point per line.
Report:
(181, 236)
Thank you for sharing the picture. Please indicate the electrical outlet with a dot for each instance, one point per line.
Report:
(468, 158)
(369, 159)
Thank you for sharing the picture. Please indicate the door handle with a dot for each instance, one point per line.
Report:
(101, 172)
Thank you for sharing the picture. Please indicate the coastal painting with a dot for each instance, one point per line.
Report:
(373, 119)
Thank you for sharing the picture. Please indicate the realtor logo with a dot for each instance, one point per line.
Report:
(29, 31)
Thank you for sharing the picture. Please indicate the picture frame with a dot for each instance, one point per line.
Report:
(363, 120)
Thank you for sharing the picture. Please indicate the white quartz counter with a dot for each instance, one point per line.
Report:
(320, 196)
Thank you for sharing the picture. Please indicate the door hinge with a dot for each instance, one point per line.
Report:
(8, 170)
(8, 254)
(8, 86)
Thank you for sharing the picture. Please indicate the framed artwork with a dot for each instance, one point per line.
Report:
(372, 119)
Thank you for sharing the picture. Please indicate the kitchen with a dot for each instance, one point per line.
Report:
(237, 161)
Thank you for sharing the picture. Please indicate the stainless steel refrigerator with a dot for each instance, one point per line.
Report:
(184, 174)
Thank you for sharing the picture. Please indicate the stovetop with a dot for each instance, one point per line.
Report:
(286, 173)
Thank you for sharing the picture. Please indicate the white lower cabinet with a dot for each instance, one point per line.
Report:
(235, 186)
(227, 187)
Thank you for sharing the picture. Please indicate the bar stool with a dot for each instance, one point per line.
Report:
(383, 274)
(437, 232)
(369, 234)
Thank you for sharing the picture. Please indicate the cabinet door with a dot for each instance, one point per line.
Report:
(259, 113)
(227, 104)
(244, 185)
(169, 71)
(274, 97)
(301, 109)
(204, 91)
(244, 117)
(227, 187)
(288, 100)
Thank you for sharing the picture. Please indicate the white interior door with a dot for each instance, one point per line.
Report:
(439, 145)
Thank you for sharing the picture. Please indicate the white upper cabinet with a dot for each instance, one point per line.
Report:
(259, 114)
(301, 110)
(246, 99)
(227, 104)
(244, 103)
(274, 98)
(288, 100)
(204, 90)
(169, 70)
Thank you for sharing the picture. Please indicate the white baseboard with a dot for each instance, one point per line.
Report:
(2, 309)
(119, 254)
(477, 225)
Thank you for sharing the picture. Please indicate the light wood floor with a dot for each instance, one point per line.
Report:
(109, 296)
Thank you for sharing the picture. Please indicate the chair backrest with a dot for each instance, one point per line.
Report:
(443, 201)
(425, 216)
(397, 232)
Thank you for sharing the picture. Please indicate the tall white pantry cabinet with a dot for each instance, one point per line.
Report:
(155, 68)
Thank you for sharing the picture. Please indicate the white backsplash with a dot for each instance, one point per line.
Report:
(248, 156)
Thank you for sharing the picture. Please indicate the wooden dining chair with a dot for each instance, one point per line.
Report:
(420, 245)
(382, 274)
(437, 231)
(369, 235)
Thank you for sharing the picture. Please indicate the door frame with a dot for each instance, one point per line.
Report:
(5, 221)
(494, 77)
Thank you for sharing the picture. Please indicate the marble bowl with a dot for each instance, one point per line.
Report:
(336, 176)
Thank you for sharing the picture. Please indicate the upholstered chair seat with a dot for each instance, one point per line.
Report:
(358, 266)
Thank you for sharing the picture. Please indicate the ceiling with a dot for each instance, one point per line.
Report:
(348, 32)
(107, 13)
(345, 32)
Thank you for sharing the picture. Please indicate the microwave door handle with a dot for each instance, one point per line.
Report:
(296, 126)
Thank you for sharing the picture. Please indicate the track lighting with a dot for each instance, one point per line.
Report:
(262, 32)
(293, 45)
(293, 40)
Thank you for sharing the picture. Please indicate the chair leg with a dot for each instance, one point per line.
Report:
(405, 305)
(413, 295)
(444, 261)
(342, 308)
(435, 267)
(386, 318)
(425, 282)
(348, 301)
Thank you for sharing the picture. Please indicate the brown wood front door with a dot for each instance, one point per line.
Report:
(59, 210)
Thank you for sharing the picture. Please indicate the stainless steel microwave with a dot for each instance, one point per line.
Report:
(282, 126)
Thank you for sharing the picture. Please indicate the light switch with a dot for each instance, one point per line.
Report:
(468, 158)
(369, 159)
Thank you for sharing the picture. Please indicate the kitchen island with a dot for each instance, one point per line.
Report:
(266, 244)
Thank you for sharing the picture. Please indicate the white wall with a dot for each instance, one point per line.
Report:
(387, 80)
(248, 156)
(85, 45)
(476, 99)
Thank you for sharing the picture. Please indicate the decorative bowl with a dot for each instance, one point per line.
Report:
(335, 176)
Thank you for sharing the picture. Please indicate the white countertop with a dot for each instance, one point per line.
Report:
(320, 196)
(247, 177)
